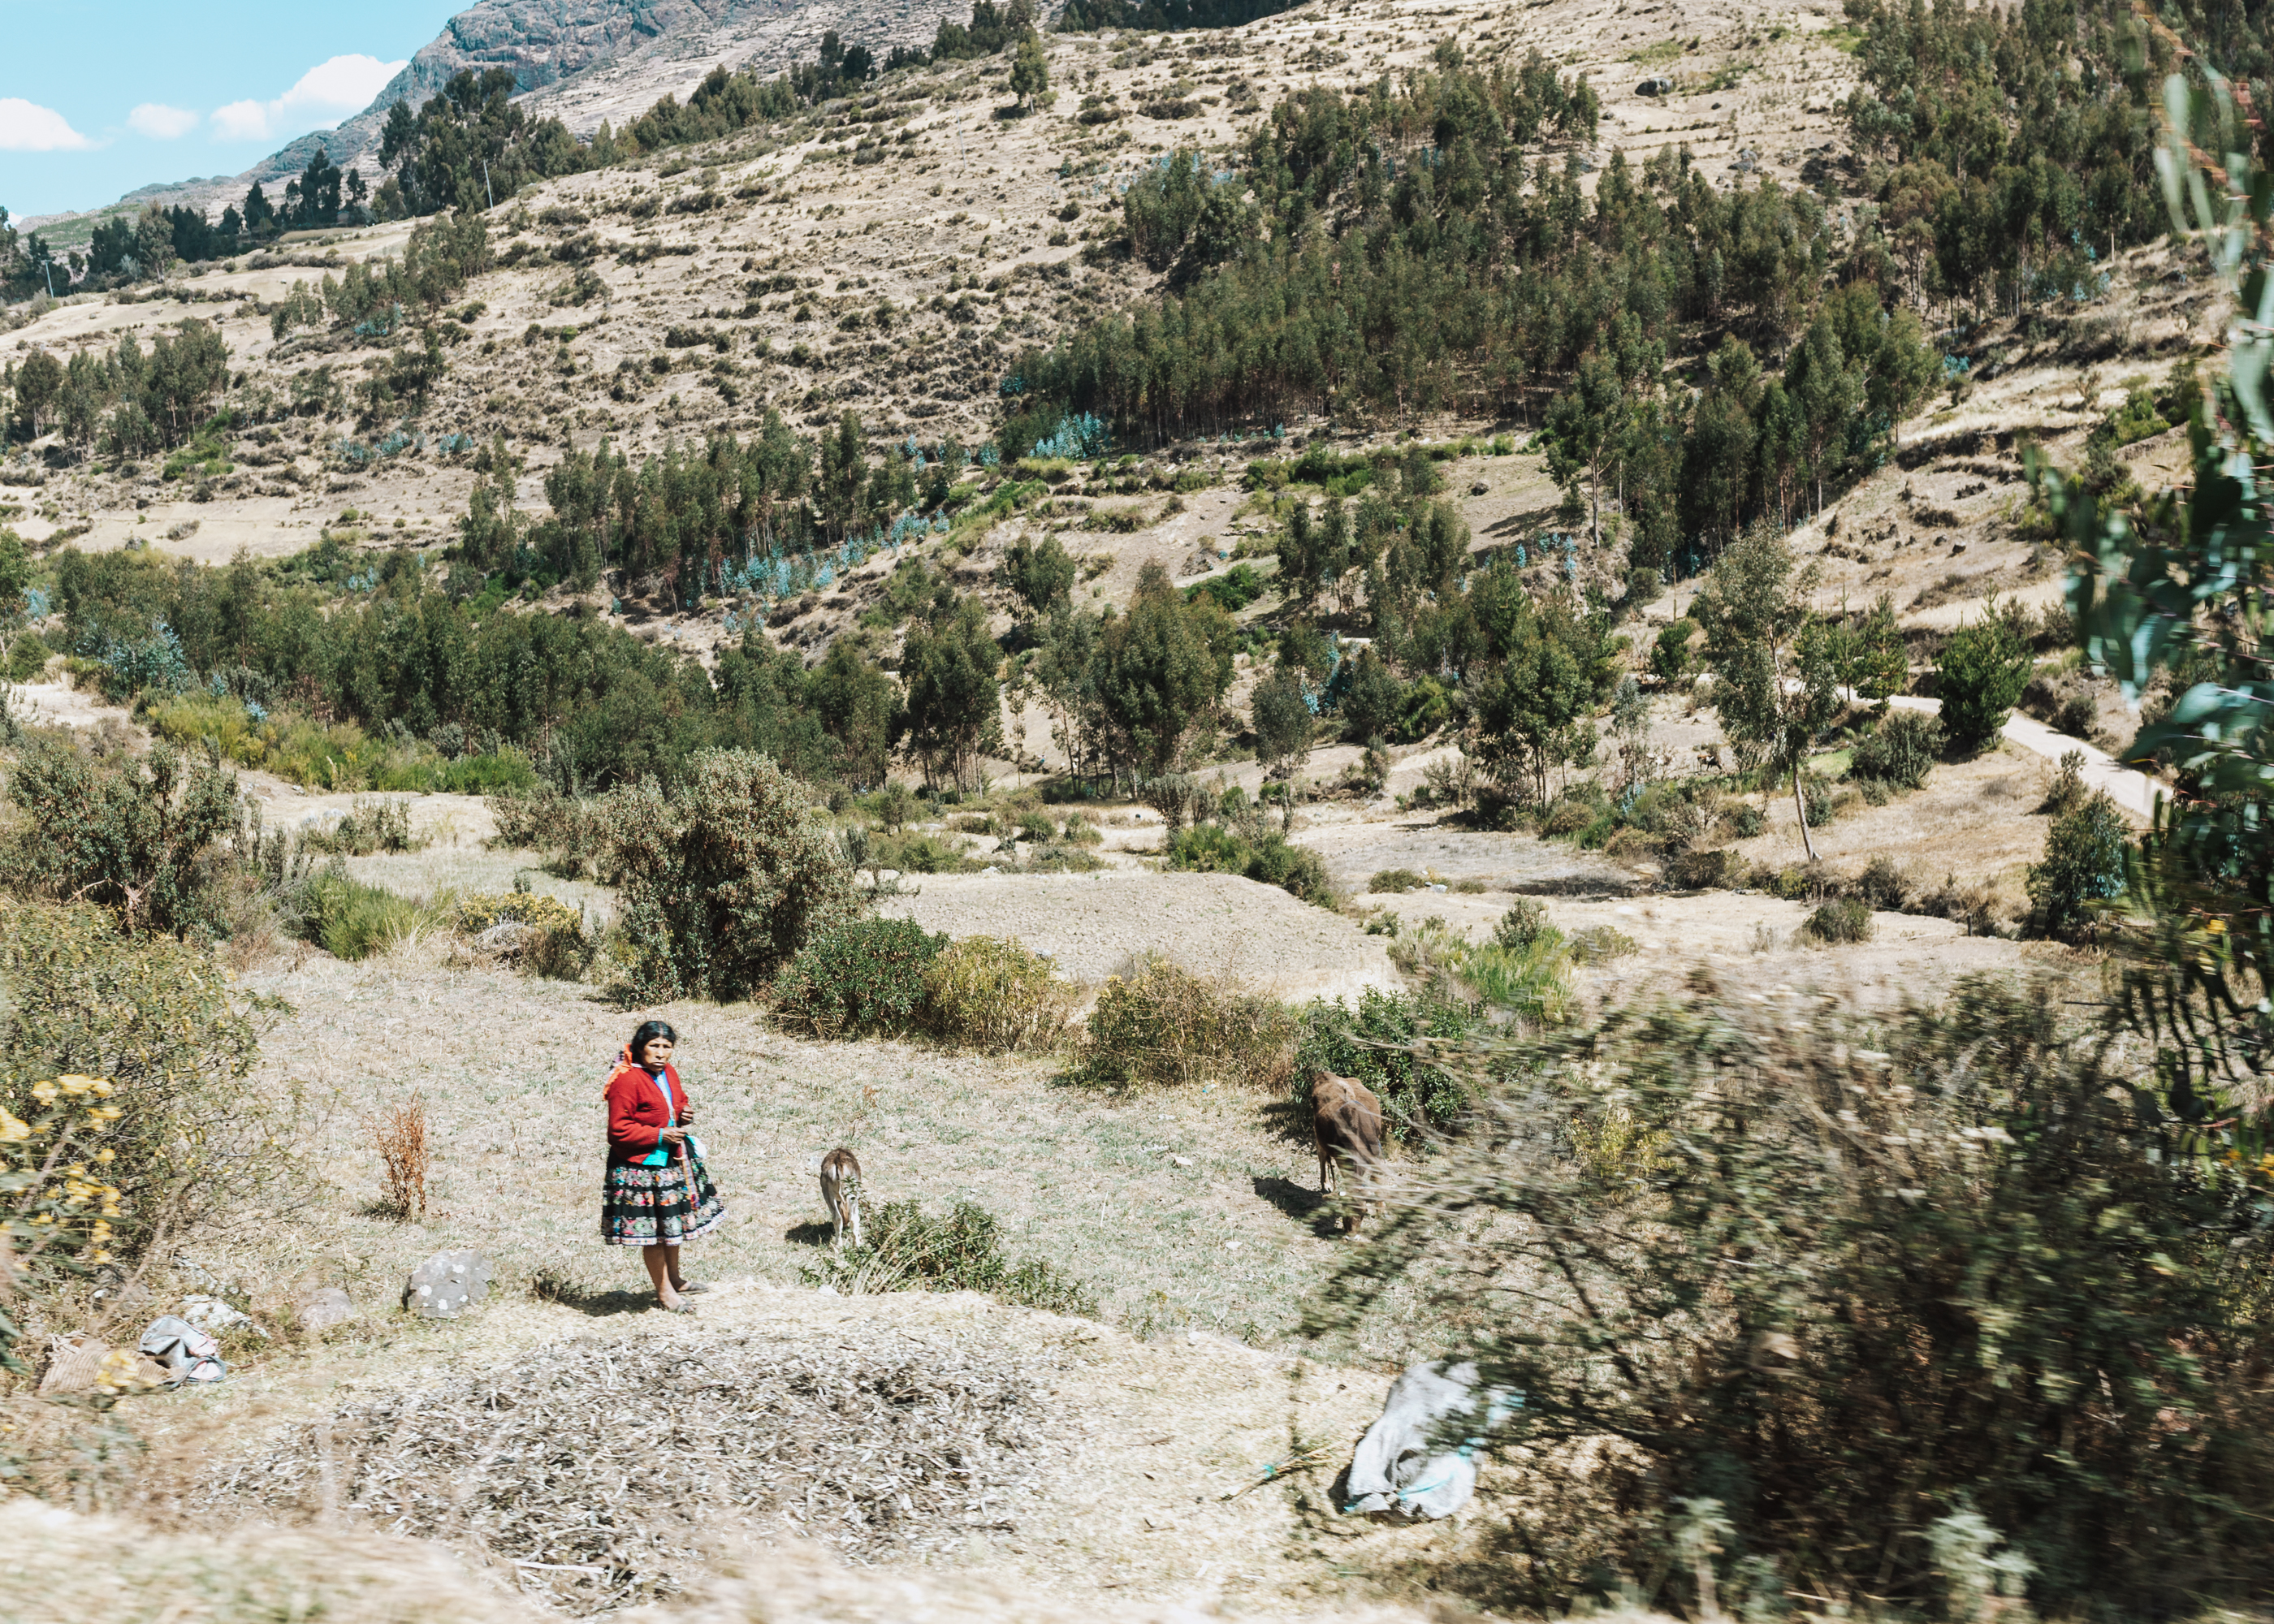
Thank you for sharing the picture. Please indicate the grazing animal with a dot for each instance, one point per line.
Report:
(1346, 1120)
(840, 1193)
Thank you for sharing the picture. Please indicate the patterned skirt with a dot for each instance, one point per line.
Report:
(648, 1205)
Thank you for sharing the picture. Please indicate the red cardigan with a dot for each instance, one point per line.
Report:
(637, 1113)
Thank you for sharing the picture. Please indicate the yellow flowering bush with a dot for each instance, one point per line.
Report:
(553, 943)
(135, 1057)
(56, 1210)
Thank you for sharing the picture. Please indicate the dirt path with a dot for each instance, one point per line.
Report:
(58, 704)
(2134, 792)
(1355, 848)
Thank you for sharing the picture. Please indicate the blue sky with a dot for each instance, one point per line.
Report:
(98, 99)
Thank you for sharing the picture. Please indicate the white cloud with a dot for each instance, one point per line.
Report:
(161, 122)
(26, 126)
(325, 94)
(241, 121)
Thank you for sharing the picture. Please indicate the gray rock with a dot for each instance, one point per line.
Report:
(210, 1314)
(322, 1310)
(446, 1284)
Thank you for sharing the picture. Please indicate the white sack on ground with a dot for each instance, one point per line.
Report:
(1419, 1459)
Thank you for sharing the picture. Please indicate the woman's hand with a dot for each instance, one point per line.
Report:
(672, 1135)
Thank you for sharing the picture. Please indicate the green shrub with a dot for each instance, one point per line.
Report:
(352, 921)
(723, 877)
(27, 657)
(1395, 880)
(1059, 857)
(1884, 884)
(367, 826)
(188, 719)
(1900, 751)
(865, 976)
(1425, 708)
(1158, 1024)
(1394, 1043)
(1983, 669)
(1267, 857)
(52, 1232)
(1528, 980)
(507, 772)
(2066, 792)
(895, 805)
(962, 1251)
(1601, 944)
(1815, 799)
(1035, 824)
(1569, 817)
(1745, 820)
(1231, 592)
(1698, 869)
(336, 756)
(145, 839)
(552, 941)
(569, 834)
(1787, 884)
(911, 853)
(1843, 919)
(1670, 658)
(2083, 868)
(1942, 1248)
(995, 996)
(1525, 922)
(197, 1139)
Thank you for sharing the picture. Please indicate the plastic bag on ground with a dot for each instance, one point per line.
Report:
(1405, 1467)
(188, 1354)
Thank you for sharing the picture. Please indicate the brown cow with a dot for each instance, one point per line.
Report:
(1346, 1121)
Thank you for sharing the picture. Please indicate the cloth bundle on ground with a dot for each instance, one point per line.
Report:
(188, 1354)
(1419, 1459)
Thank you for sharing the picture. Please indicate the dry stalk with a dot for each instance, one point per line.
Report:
(404, 1158)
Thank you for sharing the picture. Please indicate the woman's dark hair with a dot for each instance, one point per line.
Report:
(650, 1030)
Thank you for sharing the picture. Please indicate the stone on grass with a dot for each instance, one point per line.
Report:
(210, 1314)
(322, 1310)
(446, 1284)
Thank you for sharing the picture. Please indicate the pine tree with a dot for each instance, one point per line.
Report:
(1030, 70)
(1160, 672)
(1776, 685)
(950, 665)
(1284, 723)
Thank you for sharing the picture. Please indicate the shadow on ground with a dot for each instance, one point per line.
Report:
(1304, 1205)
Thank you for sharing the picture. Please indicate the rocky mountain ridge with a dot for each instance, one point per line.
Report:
(581, 60)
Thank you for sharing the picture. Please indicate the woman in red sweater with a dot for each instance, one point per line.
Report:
(657, 1193)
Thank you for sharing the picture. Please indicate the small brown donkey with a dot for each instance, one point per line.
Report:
(1346, 1120)
(840, 1193)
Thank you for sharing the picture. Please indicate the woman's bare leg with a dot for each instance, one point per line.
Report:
(662, 1263)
